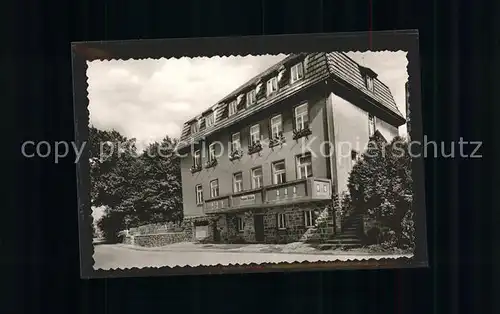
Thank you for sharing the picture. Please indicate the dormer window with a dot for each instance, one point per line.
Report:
(369, 82)
(272, 85)
(209, 120)
(195, 127)
(296, 72)
(233, 107)
(251, 97)
(369, 76)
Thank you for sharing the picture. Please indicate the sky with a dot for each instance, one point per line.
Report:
(148, 99)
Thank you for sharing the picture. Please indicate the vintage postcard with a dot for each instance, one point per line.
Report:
(249, 154)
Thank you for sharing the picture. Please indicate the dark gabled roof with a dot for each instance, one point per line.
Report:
(320, 67)
(348, 70)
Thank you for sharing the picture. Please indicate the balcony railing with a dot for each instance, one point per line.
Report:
(302, 190)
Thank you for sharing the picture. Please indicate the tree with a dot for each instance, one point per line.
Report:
(160, 182)
(112, 160)
(136, 189)
(111, 157)
(380, 186)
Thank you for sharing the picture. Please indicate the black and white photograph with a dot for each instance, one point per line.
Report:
(250, 159)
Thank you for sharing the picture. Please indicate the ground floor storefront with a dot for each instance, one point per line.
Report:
(305, 222)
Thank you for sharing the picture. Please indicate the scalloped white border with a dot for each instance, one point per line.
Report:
(284, 264)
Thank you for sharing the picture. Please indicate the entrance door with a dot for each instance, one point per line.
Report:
(216, 233)
(259, 227)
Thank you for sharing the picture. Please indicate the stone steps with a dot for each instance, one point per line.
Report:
(348, 238)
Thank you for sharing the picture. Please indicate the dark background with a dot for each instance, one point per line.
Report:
(39, 255)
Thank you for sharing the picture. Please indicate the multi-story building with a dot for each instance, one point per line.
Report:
(263, 164)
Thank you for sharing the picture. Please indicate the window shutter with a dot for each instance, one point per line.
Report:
(224, 111)
(240, 101)
(260, 90)
(305, 64)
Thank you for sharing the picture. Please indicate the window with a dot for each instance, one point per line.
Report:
(241, 224)
(211, 152)
(214, 188)
(254, 134)
(279, 172)
(304, 166)
(309, 218)
(199, 194)
(281, 221)
(354, 156)
(257, 178)
(371, 125)
(196, 159)
(276, 126)
(237, 182)
(235, 142)
(233, 107)
(272, 85)
(369, 83)
(195, 127)
(251, 98)
(301, 117)
(209, 120)
(297, 72)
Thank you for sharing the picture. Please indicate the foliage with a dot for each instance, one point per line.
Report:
(94, 232)
(380, 186)
(137, 188)
(408, 230)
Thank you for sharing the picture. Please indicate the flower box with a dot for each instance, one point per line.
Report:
(301, 133)
(254, 148)
(211, 163)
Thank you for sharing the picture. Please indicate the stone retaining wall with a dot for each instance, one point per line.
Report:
(159, 239)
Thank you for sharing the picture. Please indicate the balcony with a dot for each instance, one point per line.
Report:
(310, 189)
(216, 204)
